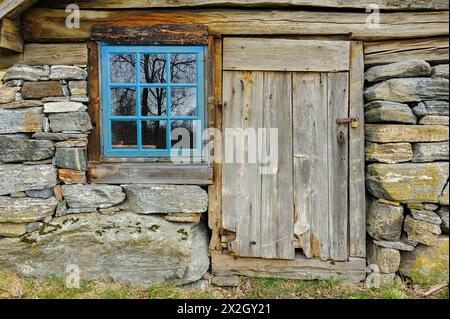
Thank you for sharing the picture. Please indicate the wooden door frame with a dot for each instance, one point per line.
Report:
(300, 268)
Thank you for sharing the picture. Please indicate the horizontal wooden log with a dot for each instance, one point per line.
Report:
(14, 8)
(47, 54)
(149, 173)
(262, 54)
(433, 50)
(11, 35)
(48, 25)
(54, 54)
(353, 270)
(192, 34)
(8, 59)
(362, 4)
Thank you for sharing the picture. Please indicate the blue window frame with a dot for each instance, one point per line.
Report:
(151, 97)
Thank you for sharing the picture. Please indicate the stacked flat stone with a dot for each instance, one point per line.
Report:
(407, 152)
(50, 216)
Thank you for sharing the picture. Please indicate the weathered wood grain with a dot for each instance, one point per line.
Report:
(384, 52)
(215, 189)
(164, 34)
(94, 146)
(310, 127)
(338, 166)
(48, 54)
(149, 173)
(55, 54)
(48, 25)
(277, 197)
(353, 270)
(14, 8)
(360, 4)
(357, 191)
(266, 54)
(248, 114)
(11, 35)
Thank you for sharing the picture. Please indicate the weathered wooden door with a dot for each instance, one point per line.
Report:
(299, 87)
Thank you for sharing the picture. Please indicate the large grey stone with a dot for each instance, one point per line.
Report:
(65, 72)
(407, 182)
(403, 69)
(73, 121)
(78, 88)
(7, 94)
(27, 120)
(25, 72)
(430, 152)
(384, 221)
(40, 90)
(40, 193)
(443, 198)
(12, 230)
(94, 195)
(420, 231)
(21, 104)
(426, 216)
(387, 259)
(71, 158)
(443, 214)
(389, 133)
(384, 111)
(154, 199)
(25, 210)
(61, 107)
(409, 90)
(390, 153)
(59, 136)
(18, 148)
(427, 264)
(20, 178)
(124, 247)
(431, 108)
(434, 120)
(440, 71)
(398, 245)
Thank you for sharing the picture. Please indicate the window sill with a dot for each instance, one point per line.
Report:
(149, 173)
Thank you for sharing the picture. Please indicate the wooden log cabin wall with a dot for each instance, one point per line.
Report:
(315, 70)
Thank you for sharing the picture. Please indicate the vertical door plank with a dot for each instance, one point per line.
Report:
(277, 225)
(243, 93)
(357, 209)
(338, 166)
(232, 97)
(248, 235)
(310, 149)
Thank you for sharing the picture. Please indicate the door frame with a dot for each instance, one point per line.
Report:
(301, 267)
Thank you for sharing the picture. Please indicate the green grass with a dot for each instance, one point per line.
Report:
(11, 286)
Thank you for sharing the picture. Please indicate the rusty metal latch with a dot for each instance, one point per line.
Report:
(349, 120)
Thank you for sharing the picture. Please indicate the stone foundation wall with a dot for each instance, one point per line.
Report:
(407, 153)
(52, 220)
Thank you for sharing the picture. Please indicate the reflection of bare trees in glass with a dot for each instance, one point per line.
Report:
(153, 101)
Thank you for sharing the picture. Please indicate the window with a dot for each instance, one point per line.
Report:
(152, 100)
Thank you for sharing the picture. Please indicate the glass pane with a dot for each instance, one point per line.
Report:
(153, 102)
(124, 135)
(123, 68)
(183, 101)
(182, 135)
(154, 134)
(123, 102)
(153, 68)
(183, 68)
